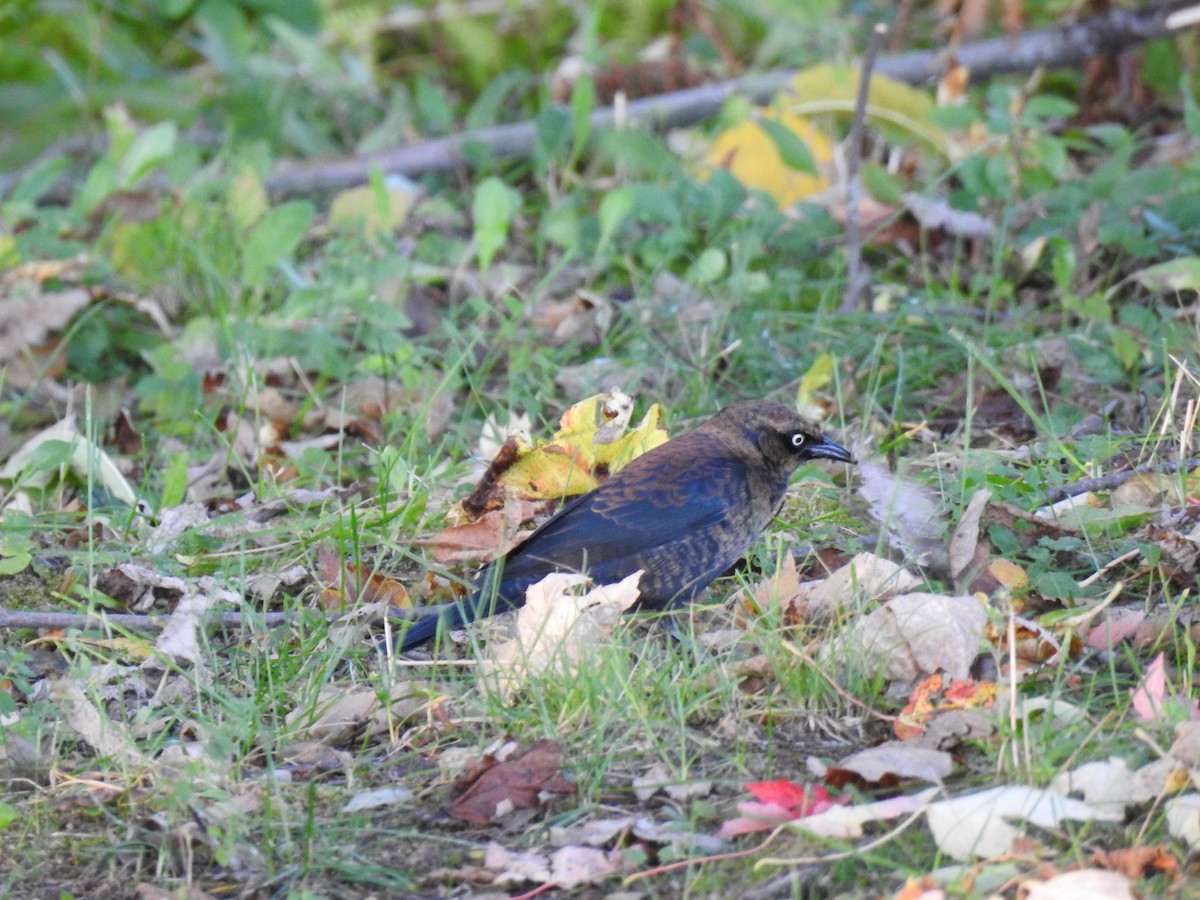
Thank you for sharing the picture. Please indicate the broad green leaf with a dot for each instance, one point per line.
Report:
(174, 488)
(273, 239)
(614, 208)
(149, 149)
(493, 208)
(792, 150)
(708, 267)
(12, 565)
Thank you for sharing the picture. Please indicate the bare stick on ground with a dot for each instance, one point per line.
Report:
(858, 280)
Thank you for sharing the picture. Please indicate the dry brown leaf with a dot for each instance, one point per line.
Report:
(491, 535)
(918, 634)
(1136, 862)
(864, 579)
(895, 761)
(495, 789)
(557, 630)
(965, 544)
(779, 592)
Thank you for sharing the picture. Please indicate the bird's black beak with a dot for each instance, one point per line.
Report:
(824, 448)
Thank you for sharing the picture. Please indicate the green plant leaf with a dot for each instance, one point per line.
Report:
(273, 239)
(493, 208)
(149, 149)
(614, 208)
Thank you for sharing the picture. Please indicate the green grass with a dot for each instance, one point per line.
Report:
(978, 368)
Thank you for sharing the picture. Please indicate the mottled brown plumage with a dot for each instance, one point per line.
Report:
(683, 512)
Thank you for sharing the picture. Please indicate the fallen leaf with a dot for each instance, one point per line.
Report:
(496, 788)
(864, 579)
(1151, 701)
(978, 825)
(777, 802)
(1109, 784)
(933, 698)
(964, 543)
(567, 867)
(846, 823)
(1082, 884)
(1136, 862)
(1183, 819)
(916, 634)
(557, 630)
(895, 761)
(491, 535)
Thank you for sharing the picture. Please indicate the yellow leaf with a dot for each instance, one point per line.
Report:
(592, 440)
(247, 199)
(818, 377)
(750, 154)
(895, 107)
(360, 206)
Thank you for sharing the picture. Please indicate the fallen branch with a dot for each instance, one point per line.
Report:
(858, 279)
(1056, 48)
(1116, 479)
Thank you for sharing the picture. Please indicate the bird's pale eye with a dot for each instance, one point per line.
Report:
(798, 439)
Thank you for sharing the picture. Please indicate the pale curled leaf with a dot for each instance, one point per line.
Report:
(1183, 819)
(1109, 784)
(847, 822)
(918, 634)
(965, 540)
(1083, 884)
(865, 578)
(899, 759)
(908, 509)
(88, 460)
(568, 867)
(106, 737)
(981, 825)
(556, 629)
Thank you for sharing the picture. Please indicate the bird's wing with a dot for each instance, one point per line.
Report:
(639, 510)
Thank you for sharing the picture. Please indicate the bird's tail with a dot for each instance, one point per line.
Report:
(423, 629)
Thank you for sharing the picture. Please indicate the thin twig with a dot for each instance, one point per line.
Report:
(1116, 479)
(857, 278)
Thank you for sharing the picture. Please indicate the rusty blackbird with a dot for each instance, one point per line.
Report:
(684, 513)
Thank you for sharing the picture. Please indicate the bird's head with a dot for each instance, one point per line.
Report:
(780, 436)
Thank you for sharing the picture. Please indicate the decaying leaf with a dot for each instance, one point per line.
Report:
(1183, 819)
(981, 825)
(890, 763)
(557, 630)
(936, 698)
(494, 789)
(567, 867)
(917, 634)
(1094, 884)
(491, 535)
(592, 441)
(866, 578)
